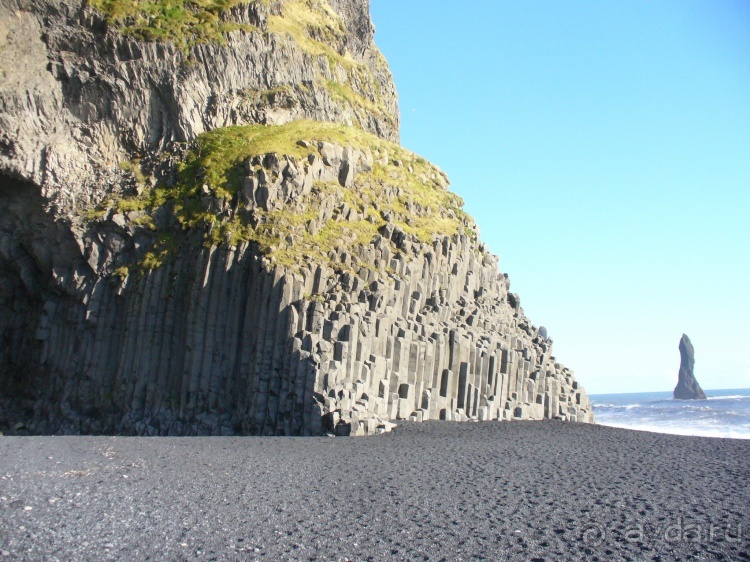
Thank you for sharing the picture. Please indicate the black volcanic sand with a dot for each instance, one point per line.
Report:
(433, 491)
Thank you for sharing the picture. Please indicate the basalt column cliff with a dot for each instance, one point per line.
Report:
(207, 227)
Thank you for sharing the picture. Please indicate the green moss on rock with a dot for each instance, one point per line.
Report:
(181, 22)
(314, 26)
(401, 188)
(311, 26)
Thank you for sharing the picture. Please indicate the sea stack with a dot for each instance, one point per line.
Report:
(687, 387)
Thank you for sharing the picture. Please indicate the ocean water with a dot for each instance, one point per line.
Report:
(726, 413)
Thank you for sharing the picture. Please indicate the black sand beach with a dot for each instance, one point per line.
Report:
(432, 491)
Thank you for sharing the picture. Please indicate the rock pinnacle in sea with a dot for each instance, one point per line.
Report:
(687, 387)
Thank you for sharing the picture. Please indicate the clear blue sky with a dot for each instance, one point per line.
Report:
(604, 150)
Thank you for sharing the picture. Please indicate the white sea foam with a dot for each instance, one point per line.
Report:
(719, 416)
(618, 406)
(727, 433)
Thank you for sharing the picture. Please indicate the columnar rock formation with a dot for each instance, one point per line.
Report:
(687, 386)
(79, 96)
(285, 277)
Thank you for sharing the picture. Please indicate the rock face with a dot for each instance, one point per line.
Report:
(288, 276)
(77, 98)
(687, 387)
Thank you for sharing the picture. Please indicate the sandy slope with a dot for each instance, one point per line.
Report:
(432, 491)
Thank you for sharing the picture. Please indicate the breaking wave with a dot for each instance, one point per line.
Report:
(726, 413)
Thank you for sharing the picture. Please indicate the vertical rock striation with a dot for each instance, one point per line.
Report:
(77, 96)
(687, 386)
(287, 277)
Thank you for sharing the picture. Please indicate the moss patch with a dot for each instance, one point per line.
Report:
(96, 213)
(402, 188)
(343, 91)
(319, 31)
(164, 250)
(182, 22)
(314, 26)
(220, 152)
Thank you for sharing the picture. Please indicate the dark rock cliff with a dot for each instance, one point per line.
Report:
(77, 98)
(216, 234)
